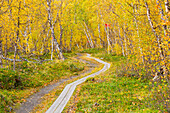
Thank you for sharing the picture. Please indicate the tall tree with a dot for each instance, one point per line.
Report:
(52, 30)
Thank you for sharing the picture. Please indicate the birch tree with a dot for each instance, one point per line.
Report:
(52, 30)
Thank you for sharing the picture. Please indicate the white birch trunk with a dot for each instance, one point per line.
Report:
(167, 6)
(52, 48)
(99, 29)
(17, 35)
(71, 40)
(108, 39)
(90, 39)
(153, 30)
(162, 15)
(61, 36)
(60, 54)
(125, 41)
(121, 41)
(61, 28)
(137, 30)
(28, 47)
(99, 34)
(1, 47)
(158, 40)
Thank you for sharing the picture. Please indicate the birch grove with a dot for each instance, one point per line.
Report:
(139, 30)
(134, 28)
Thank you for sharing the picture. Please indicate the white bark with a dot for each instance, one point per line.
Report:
(108, 40)
(121, 41)
(60, 54)
(153, 30)
(61, 36)
(115, 33)
(71, 39)
(125, 41)
(90, 39)
(99, 29)
(99, 34)
(158, 40)
(137, 30)
(167, 6)
(52, 48)
(1, 47)
(61, 28)
(162, 15)
(17, 35)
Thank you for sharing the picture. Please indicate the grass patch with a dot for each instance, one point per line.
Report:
(92, 50)
(53, 95)
(117, 90)
(118, 94)
(16, 86)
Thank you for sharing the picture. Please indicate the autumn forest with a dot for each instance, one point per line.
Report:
(35, 32)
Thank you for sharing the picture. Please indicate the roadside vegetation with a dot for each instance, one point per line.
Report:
(16, 86)
(48, 99)
(119, 90)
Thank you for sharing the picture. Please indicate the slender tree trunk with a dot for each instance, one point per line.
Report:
(60, 54)
(162, 15)
(121, 41)
(6, 50)
(89, 42)
(57, 45)
(17, 36)
(115, 34)
(167, 8)
(1, 47)
(158, 40)
(29, 32)
(99, 34)
(82, 44)
(108, 40)
(137, 30)
(77, 45)
(90, 39)
(61, 27)
(52, 47)
(153, 30)
(95, 41)
(71, 39)
(99, 29)
(131, 43)
(125, 41)
(65, 42)
(61, 37)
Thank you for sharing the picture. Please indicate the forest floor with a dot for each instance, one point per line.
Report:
(112, 91)
(37, 97)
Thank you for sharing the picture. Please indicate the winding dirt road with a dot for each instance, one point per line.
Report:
(61, 101)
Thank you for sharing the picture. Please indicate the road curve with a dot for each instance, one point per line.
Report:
(61, 101)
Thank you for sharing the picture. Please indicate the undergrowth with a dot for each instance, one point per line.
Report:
(52, 96)
(113, 94)
(15, 86)
(120, 89)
